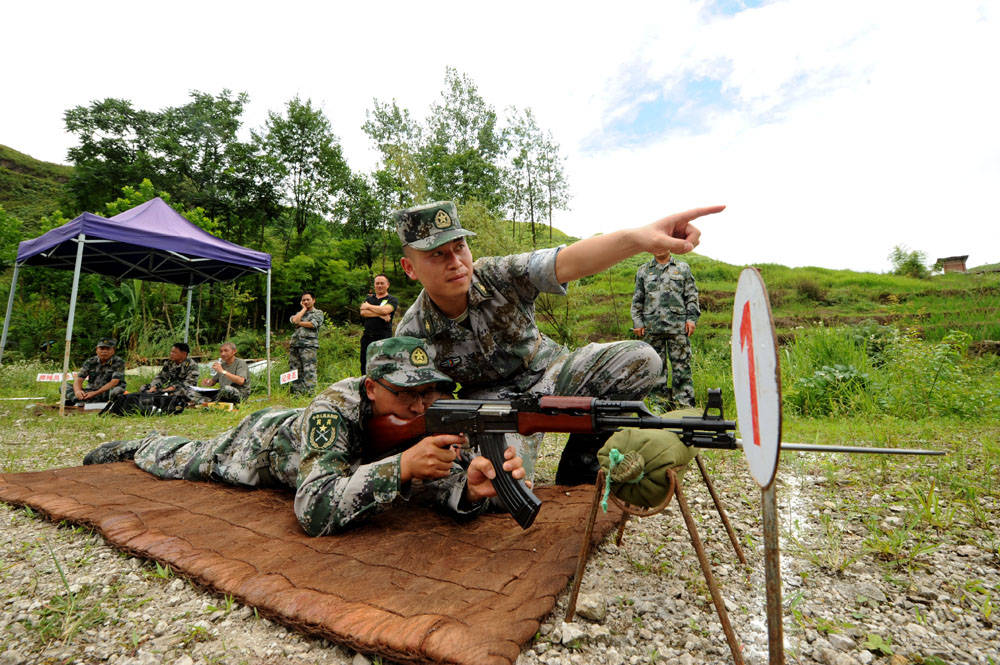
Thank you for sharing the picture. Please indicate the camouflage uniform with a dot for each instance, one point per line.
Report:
(183, 376)
(316, 451)
(97, 375)
(498, 350)
(665, 298)
(302, 352)
(228, 390)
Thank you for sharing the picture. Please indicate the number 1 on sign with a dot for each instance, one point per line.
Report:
(746, 342)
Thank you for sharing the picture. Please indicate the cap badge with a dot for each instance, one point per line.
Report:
(442, 220)
(418, 357)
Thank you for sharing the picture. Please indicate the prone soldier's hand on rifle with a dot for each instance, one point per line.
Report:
(481, 475)
(431, 457)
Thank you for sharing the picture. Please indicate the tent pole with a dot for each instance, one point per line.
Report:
(187, 319)
(10, 308)
(267, 335)
(81, 241)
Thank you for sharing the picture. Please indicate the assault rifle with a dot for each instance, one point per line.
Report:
(486, 421)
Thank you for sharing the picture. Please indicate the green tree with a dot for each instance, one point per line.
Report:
(908, 263)
(191, 150)
(462, 154)
(306, 158)
(116, 147)
(10, 236)
(203, 163)
(365, 214)
(398, 137)
(524, 140)
(553, 177)
(456, 153)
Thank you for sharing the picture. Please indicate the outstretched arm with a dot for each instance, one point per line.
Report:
(673, 233)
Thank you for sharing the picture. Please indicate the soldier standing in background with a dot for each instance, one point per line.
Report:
(376, 312)
(179, 375)
(664, 313)
(232, 375)
(318, 451)
(105, 374)
(305, 344)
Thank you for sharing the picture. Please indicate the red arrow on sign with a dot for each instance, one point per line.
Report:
(746, 342)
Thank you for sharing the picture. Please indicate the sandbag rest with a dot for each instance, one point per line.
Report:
(664, 458)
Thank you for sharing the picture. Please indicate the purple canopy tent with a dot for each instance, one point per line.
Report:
(151, 242)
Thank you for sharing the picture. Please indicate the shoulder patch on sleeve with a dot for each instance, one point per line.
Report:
(321, 430)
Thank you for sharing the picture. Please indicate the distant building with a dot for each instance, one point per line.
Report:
(953, 263)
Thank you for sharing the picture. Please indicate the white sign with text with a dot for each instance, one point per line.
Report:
(55, 377)
(288, 377)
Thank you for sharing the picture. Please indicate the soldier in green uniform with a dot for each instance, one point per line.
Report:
(231, 374)
(319, 451)
(105, 374)
(665, 312)
(179, 375)
(480, 317)
(305, 344)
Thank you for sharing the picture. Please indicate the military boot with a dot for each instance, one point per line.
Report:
(112, 451)
(578, 464)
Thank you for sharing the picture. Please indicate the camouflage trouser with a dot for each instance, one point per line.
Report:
(619, 370)
(240, 456)
(106, 396)
(190, 393)
(229, 394)
(303, 358)
(675, 350)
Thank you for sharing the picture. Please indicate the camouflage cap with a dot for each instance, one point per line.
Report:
(403, 361)
(430, 225)
(108, 341)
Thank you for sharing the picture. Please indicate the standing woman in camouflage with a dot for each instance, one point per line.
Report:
(305, 344)
(664, 313)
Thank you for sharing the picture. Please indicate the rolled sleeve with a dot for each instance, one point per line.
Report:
(542, 271)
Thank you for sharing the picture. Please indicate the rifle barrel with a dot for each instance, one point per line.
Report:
(813, 448)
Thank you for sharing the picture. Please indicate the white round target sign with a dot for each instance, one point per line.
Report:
(756, 377)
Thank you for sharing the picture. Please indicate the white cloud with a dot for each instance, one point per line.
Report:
(851, 127)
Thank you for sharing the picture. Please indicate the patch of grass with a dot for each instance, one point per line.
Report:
(878, 644)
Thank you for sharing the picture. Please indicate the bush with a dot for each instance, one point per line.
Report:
(908, 264)
(830, 390)
(810, 290)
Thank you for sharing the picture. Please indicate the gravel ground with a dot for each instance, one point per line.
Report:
(67, 597)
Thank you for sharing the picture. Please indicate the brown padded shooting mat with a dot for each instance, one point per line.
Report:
(409, 585)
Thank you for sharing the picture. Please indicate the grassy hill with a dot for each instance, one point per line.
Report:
(30, 188)
(598, 308)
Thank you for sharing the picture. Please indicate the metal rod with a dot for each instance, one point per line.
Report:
(81, 242)
(267, 334)
(722, 510)
(706, 569)
(187, 318)
(10, 307)
(581, 562)
(772, 571)
(814, 448)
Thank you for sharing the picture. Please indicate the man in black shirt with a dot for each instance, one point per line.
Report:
(376, 313)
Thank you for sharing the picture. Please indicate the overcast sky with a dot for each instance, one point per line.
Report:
(832, 130)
